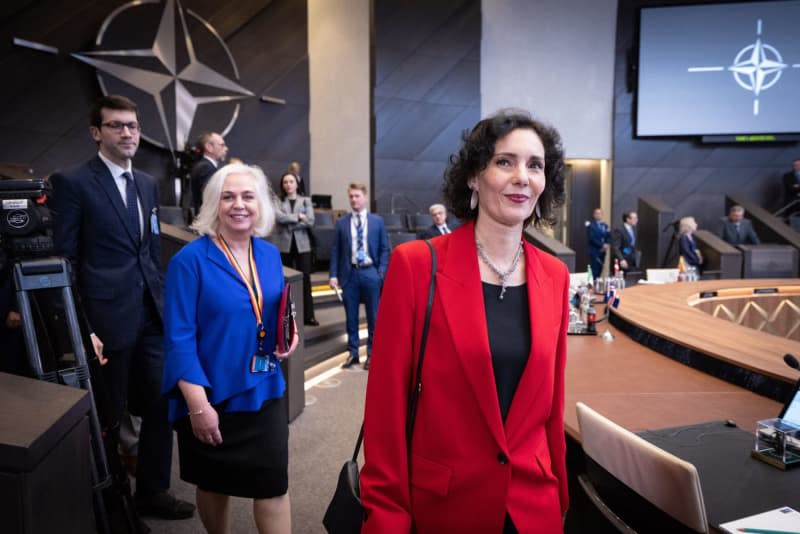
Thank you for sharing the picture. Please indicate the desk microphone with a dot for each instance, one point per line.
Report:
(791, 361)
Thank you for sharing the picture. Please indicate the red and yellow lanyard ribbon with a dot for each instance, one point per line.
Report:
(253, 284)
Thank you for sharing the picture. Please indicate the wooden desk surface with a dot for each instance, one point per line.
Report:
(640, 389)
(664, 310)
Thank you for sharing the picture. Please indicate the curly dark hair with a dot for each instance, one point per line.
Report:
(478, 149)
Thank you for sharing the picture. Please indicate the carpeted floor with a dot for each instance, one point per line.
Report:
(320, 440)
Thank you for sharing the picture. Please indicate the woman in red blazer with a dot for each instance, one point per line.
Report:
(488, 450)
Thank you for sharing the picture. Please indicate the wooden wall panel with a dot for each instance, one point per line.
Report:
(427, 71)
(44, 98)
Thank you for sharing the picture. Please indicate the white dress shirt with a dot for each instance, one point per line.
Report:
(119, 180)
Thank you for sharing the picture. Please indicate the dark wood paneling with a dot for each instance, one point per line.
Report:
(44, 104)
(427, 92)
(691, 177)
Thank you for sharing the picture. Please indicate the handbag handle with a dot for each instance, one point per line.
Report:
(417, 388)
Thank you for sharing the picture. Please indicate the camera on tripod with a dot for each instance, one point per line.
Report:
(25, 221)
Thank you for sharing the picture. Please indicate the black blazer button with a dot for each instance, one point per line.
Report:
(502, 458)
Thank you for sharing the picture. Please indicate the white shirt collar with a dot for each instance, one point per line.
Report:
(116, 170)
(212, 160)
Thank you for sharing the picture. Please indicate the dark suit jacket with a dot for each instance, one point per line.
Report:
(430, 232)
(688, 249)
(377, 247)
(463, 456)
(745, 236)
(790, 189)
(598, 235)
(622, 248)
(201, 172)
(112, 272)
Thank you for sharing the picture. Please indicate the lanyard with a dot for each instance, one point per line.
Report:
(254, 288)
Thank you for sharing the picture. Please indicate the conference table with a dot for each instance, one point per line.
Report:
(646, 391)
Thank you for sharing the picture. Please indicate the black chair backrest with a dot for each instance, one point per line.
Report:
(419, 221)
(323, 219)
(394, 222)
(398, 238)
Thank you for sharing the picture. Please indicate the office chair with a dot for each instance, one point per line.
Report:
(637, 486)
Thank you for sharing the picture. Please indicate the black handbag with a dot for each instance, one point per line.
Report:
(345, 513)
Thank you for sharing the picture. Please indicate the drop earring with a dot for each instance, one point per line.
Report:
(537, 211)
(473, 199)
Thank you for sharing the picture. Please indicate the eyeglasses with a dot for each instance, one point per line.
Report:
(118, 126)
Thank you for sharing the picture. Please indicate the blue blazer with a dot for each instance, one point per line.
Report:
(210, 329)
(377, 247)
(112, 270)
(598, 235)
(688, 249)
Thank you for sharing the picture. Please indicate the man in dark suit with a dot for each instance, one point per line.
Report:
(439, 227)
(624, 241)
(599, 237)
(106, 224)
(214, 152)
(737, 230)
(791, 183)
(359, 259)
(295, 168)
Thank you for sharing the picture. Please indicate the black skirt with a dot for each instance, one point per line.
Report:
(252, 460)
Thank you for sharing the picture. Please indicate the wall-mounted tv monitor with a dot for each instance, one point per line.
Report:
(719, 69)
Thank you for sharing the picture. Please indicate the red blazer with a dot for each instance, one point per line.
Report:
(467, 468)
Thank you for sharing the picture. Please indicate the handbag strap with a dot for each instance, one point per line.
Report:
(417, 388)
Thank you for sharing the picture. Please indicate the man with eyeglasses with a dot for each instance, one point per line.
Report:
(214, 151)
(106, 224)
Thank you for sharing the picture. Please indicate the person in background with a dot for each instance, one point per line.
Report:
(687, 247)
(214, 151)
(225, 388)
(295, 219)
(624, 240)
(791, 183)
(295, 168)
(105, 222)
(599, 237)
(736, 230)
(359, 258)
(439, 218)
(488, 436)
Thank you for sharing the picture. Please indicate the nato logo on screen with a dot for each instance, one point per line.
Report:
(719, 69)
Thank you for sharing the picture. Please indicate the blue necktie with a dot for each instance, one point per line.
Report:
(131, 204)
(633, 237)
(360, 256)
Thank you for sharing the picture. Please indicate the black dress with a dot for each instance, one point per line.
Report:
(508, 324)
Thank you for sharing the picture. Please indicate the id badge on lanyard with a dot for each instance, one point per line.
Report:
(262, 361)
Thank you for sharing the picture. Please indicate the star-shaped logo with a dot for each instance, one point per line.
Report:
(756, 67)
(169, 70)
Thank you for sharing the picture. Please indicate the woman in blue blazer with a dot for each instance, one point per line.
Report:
(220, 373)
(686, 244)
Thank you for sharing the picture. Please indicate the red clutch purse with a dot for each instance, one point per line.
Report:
(286, 325)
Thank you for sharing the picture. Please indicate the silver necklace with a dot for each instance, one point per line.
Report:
(503, 276)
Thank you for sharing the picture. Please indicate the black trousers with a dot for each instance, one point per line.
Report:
(132, 378)
(301, 261)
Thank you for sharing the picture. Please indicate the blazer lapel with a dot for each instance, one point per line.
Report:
(542, 316)
(106, 183)
(459, 285)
